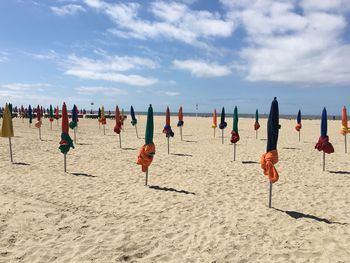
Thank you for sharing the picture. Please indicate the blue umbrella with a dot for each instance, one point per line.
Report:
(324, 123)
(30, 115)
(133, 120)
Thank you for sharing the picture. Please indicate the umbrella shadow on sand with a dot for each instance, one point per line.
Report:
(182, 154)
(156, 187)
(189, 141)
(298, 215)
(290, 148)
(20, 163)
(249, 162)
(339, 172)
(129, 149)
(83, 174)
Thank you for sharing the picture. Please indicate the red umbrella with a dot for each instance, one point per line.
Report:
(118, 124)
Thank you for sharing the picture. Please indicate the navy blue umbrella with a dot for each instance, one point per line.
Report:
(324, 123)
(134, 120)
(30, 115)
(222, 124)
(273, 126)
(299, 117)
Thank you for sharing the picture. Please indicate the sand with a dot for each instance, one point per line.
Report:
(200, 206)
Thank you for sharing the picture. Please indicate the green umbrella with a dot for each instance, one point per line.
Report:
(234, 132)
(256, 124)
(148, 150)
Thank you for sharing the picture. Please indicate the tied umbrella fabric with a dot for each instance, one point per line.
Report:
(103, 117)
(234, 132)
(323, 143)
(38, 117)
(118, 124)
(267, 162)
(57, 113)
(145, 156)
(66, 141)
(74, 121)
(222, 124)
(298, 126)
(133, 117)
(256, 124)
(30, 114)
(180, 123)
(344, 121)
(7, 125)
(167, 128)
(215, 122)
(51, 114)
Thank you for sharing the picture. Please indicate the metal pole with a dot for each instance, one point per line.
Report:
(75, 136)
(324, 161)
(168, 145)
(10, 149)
(137, 135)
(270, 195)
(104, 130)
(299, 136)
(234, 152)
(346, 148)
(40, 134)
(65, 162)
(214, 132)
(146, 177)
(222, 136)
(256, 134)
(120, 141)
(51, 125)
(181, 132)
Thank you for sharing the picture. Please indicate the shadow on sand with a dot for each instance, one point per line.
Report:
(290, 148)
(298, 215)
(19, 163)
(129, 149)
(182, 154)
(83, 174)
(339, 172)
(156, 187)
(248, 162)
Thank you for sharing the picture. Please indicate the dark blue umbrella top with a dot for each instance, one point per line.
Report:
(273, 126)
(299, 117)
(222, 124)
(132, 113)
(324, 123)
(74, 114)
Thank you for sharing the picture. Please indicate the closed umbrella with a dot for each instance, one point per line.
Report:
(222, 124)
(234, 132)
(180, 123)
(270, 158)
(7, 127)
(57, 114)
(167, 128)
(74, 123)
(215, 122)
(133, 120)
(298, 126)
(99, 118)
(148, 150)
(323, 143)
(256, 124)
(66, 141)
(51, 116)
(344, 126)
(38, 123)
(103, 119)
(118, 125)
(30, 115)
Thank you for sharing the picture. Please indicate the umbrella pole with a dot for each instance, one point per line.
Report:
(324, 161)
(51, 125)
(75, 136)
(214, 132)
(299, 135)
(137, 135)
(57, 122)
(168, 144)
(234, 152)
(120, 141)
(146, 177)
(270, 195)
(256, 134)
(346, 148)
(181, 132)
(40, 134)
(222, 137)
(65, 162)
(104, 130)
(10, 149)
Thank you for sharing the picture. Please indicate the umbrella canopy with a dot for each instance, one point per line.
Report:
(74, 121)
(10, 109)
(66, 142)
(256, 124)
(344, 122)
(222, 124)
(30, 114)
(38, 117)
(57, 113)
(167, 128)
(148, 150)
(323, 143)
(99, 114)
(180, 115)
(234, 132)
(298, 126)
(7, 126)
(118, 124)
(133, 117)
(215, 122)
(270, 158)
(103, 117)
(51, 113)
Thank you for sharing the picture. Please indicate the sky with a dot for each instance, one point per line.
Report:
(169, 53)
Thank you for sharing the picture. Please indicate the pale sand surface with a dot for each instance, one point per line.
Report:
(215, 211)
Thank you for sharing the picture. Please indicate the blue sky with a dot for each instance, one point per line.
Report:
(214, 53)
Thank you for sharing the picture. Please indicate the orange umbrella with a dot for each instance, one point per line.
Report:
(215, 121)
(344, 125)
(38, 123)
(180, 123)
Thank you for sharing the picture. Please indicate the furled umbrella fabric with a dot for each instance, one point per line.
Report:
(30, 114)
(66, 141)
(133, 117)
(38, 117)
(256, 124)
(215, 122)
(122, 117)
(234, 132)
(103, 117)
(118, 124)
(222, 124)
(74, 121)
(180, 115)
(99, 115)
(344, 122)
(270, 158)
(323, 143)
(298, 126)
(7, 125)
(51, 113)
(167, 128)
(148, 150)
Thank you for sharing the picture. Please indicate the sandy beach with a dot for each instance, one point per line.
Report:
(200, 206)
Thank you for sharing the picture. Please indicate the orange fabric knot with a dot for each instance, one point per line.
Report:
(145, 156)
(298, 127)
(344, 130)
(38, 124)
(267, 161)
(214, 126)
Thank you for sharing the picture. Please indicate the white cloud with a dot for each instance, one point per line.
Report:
(25, 86)
(107, 91)
(70, 9)
(168, 93)
(201, 68)
(109, 69)
(49, 55)
(289, 46)
(4, 56)
(171, 20)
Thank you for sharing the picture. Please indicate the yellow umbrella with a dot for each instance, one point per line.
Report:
(7, 127)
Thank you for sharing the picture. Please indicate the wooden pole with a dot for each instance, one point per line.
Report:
(214, 132)
(120, 141)
(10, 149)
(75, 136)
(299, 135)
(234, 152)
(65, 162)
(324, 161)
(168, 145)
(222, 137)
(40, 134)
(270, 195)
(181, 132)
(146, 177)
(256, 134)
(346, 148)
(137, 135)
(104, 130)
(51, 125)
